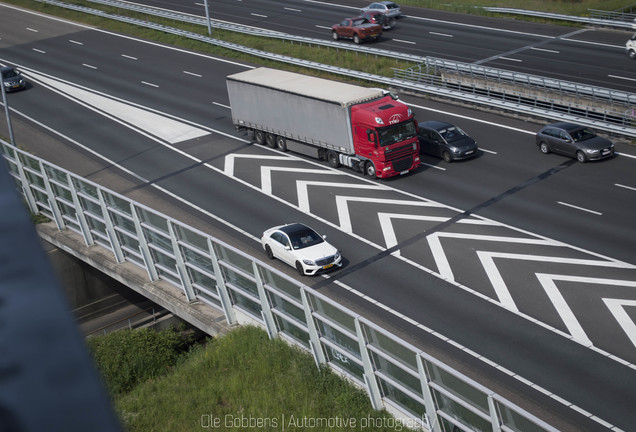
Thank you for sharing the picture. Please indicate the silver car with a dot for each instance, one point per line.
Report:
(390, 9)
(574, 140)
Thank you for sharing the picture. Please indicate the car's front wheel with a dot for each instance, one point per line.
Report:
(632, 54)
(299, 267)
(447, 156)
(545, 149)
(356, 39)
(580, 156)
(334, 35)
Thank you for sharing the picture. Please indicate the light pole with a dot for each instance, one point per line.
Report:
(6, 109)
(207, 17)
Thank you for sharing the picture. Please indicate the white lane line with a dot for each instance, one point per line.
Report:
(39, 50)
(150, 84)
(221, 105)
(403, 41)
(193, 74)
(580, 208)
(32, 30)
(510, 59)
(433, 166)
(323, 27)
(487, 151)
(259, 15)
(626, 187)
(546, 50)
(441, 34)
(623, 78)
(75, 42)
(292, 9)
(89, 66)
(129, 57)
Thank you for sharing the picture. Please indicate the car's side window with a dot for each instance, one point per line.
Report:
(564, 136)
(280, 238)
(551, 132)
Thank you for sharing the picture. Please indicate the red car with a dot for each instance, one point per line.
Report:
(359, 29)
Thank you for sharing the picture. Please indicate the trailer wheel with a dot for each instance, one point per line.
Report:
(281, 143)
(270, 139)
(259, 136)
(332, 158)
(369, 169)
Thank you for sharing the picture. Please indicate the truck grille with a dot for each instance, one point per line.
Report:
(402, 164)
(398, 152)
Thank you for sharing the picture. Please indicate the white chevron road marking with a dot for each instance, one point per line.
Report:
(231, 159)
(616, 307)
(302, 187)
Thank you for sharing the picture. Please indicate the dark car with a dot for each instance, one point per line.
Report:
(378, 17)
(445, 140)
(574, 140)
(12, 78)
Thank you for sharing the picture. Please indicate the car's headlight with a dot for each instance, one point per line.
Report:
(591, 151)
(336, 257)
(309, 262)
(455, 150)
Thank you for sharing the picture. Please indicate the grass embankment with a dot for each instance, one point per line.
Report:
(240, 382)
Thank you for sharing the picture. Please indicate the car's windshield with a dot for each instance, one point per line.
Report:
(582, 134)
(452, 133)
(397, 133)
(11, 73)
(305, 237)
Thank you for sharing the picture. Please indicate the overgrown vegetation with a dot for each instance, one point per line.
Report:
(239, 382)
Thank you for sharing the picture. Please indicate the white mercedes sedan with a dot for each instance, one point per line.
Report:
(301, 247)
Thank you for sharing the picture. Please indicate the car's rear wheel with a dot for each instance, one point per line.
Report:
(580, 156)
(299, 267)
(270, 139)
(268, 251)
(334, 35)
(259, 136)
(447, 156)
(356, 39)
(632, 54)
(545, 149)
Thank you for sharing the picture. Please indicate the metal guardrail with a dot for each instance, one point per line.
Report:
(612, 15)
(398, 376)
(586, 20)
(620, 122)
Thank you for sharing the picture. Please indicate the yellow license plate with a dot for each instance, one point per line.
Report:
(327, 266)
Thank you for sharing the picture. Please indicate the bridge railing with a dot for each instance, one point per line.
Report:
(417, 388)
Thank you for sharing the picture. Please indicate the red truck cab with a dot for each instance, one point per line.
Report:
(385, 132)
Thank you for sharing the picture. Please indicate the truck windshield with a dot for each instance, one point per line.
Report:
(397, 133)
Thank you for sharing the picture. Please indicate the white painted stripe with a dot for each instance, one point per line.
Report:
(441, 34)
(617, 308)
(292, 9)
(89, 66)
(221, 105)
(39, 50)
(545, 50)
(193, 74)
(258, 15)
(488, 151)
(129, 57)
(626, 155)
(323, 27)
(621, 77)
(149, 84)
(32, 30)
(75, 42)
(580, 208)
(403, 41)
(433, 166)
(625, 187)
(510, 59)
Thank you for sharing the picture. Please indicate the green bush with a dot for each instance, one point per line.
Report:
(127, 358)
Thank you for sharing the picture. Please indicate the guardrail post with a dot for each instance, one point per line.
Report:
(314, 337)
(266, 308)
(369, 373)
(57, 214)
(429, 403)
(494, 416)
(79, 213)
(26, 186)
(221, 289)
(184, 276)
(110, 228)
(143, 245)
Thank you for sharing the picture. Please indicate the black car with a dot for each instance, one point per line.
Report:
(574, 140)
(445, 140)
(12, 78)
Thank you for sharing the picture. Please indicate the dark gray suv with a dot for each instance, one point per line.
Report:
(574, 140)
(12, 78)
(445, 140)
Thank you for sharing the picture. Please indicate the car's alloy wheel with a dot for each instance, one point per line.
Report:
(544, 148)
(632, 54)
(447, 157)
(268, 251)
(300, 268)
(334, 35)
(356, 39)
(580, 156)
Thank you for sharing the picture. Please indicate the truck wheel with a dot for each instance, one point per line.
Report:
(632, 54)
(281, 143)
(270, 140)
(259, 136)
(369, 169)
(334, 35)
(332, 158)
(356, 39)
